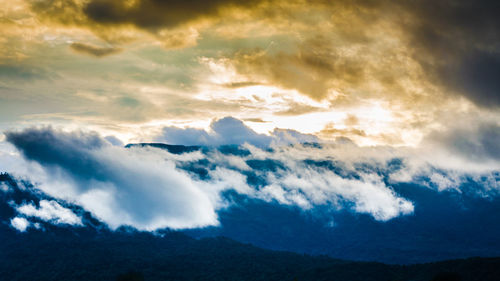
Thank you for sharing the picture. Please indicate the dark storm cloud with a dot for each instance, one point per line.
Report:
(147, 14)
(479, 77)
(455, 42)
(479, 142)
(458, 42)
(93, 50)
(153, 14)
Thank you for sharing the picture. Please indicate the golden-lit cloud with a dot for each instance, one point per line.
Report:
(377, 72)
(93, 50)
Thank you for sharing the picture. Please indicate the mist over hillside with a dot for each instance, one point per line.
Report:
(91, 251)
(443, 223)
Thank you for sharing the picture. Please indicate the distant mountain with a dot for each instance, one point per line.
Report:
(87, 254)
(176, 149)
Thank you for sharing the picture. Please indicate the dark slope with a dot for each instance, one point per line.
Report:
(73, 255)
(172, 148)
(444, 226)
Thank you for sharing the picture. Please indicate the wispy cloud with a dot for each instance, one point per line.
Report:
(94, 50)
(50, 211)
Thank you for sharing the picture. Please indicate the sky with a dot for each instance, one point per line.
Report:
(377, 72)
(417, 79)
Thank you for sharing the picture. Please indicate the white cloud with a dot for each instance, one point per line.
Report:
(140, 187)
(19, 223)
(307, 187)
(4, 187)
(150, 188)
(50, 211)
(229, 130)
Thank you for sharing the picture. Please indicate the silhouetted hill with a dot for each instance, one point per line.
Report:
(172, 148)
(66, 254)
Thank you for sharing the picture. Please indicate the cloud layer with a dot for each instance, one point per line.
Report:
(150, 188)
(156, 186)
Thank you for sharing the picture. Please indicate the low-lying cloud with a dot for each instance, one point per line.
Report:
(20, 223)
(136, 187)
(149, 187)
(50, 211)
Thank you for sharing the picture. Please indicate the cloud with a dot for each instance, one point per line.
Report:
(21, 72)
(19, 223)
(474, 140)
(287, 136)
(119, 186)
(477, 78)
(112, 19)
(358, 48)
(229, 130)
(151, 14)
(4, 187)
(457, 42)
(50, 211)
(308, 186)
(93, 50)
(114, 140)
(149, 188)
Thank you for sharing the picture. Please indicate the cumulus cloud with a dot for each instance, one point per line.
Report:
(50, 211)
(19, 223)
(119, 186)
(229, 130)
(223, 131)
